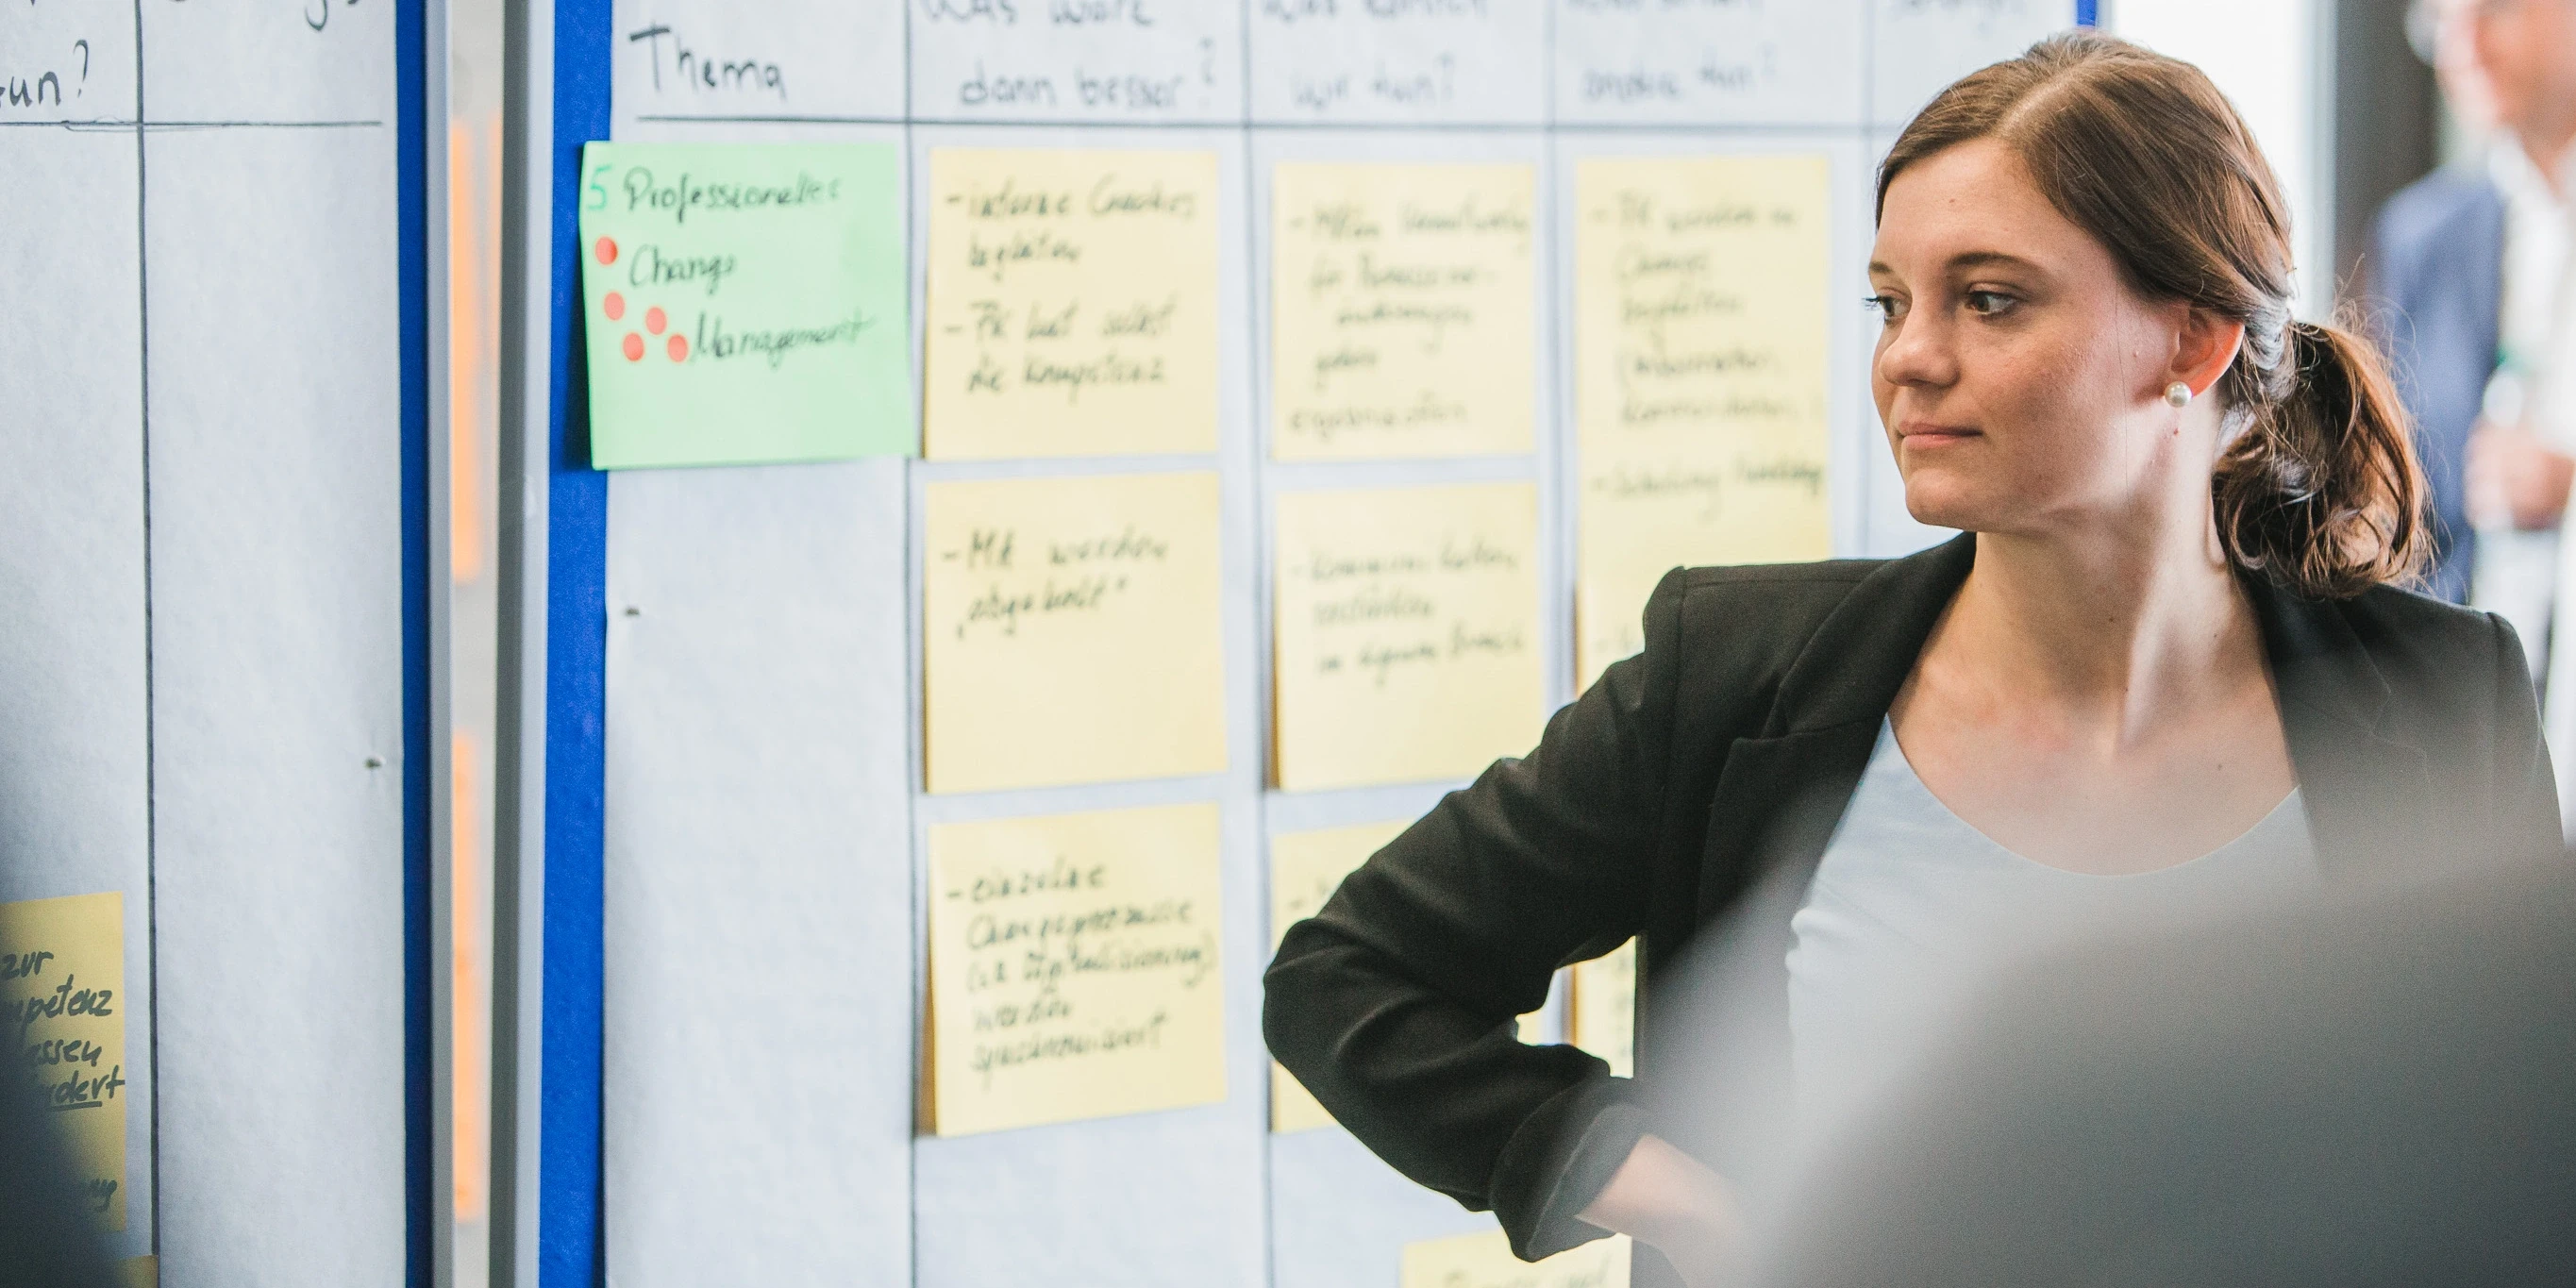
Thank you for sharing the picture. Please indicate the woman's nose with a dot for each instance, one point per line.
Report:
(1916, 352)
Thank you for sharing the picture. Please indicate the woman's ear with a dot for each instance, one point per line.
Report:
(2204, 348)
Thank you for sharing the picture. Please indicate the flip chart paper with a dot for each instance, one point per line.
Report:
(713, 59)
(1392, 63)
(744, 303)
(1102, 62)
(1072, 303)
(1700, 366)
(1073, 967)
(1486, 1261)
(1071, 631)
(1401, 310)
(1605, 1008)
(1408, 633)
(1305, 869)
(1709, 64)
(62, 996)
(1944, 42)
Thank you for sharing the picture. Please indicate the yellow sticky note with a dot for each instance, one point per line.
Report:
(1531, 1028)
(1305, 869)
(1701, 331)
(1072, 303)
(1073, 968)
(1401, 318)
(140, 1272)
(1071, 631)
(1408, 633)
(1605, 1008)
(62, 996)
(1486, 1261)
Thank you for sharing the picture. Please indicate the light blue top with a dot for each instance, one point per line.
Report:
(1909, 899)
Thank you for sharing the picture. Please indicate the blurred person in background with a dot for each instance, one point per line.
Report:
(2171, 656)
(2473, 269)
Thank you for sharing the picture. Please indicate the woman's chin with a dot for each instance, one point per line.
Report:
(1940, 502)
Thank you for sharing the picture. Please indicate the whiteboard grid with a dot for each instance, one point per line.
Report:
(1250, 1208)
(211, 622)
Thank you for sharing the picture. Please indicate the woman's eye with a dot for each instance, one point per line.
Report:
(1887, 307)
(1990, 303)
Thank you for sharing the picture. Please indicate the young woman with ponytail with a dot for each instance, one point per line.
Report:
(2173, 653)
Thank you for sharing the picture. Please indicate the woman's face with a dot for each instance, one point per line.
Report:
(2020, 379)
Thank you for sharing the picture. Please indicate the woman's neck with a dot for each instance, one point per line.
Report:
(2117, 628)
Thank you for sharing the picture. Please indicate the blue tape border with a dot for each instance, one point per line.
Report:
(2088, 13)
(570, 1252)
(411, 197)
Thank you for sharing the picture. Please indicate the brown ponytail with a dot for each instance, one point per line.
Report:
(2317, 485)
(2321, 490)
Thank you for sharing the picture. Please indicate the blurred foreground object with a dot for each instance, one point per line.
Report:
(45, 1238)
(2374, 1089)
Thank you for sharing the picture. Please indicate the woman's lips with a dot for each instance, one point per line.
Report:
(1916, 434)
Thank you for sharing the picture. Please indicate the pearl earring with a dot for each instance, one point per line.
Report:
(2178, 393)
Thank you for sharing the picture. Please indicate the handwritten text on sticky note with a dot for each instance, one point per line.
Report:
(1700, 352)
(1073, 303)
(1073, 967)
(744, 303)
(1400, 298)
(62, 1001)
(1409, 643)
(1072, 631)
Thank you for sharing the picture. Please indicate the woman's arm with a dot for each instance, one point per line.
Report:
(1394, 1004)
(2525, 807)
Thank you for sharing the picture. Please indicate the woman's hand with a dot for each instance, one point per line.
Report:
(2515, 476)
(1668, 1199)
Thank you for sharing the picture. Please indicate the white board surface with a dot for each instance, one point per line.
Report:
(202, 555)
(1324, 62)
(74, 773)
(757, 1057)
(1709, 64)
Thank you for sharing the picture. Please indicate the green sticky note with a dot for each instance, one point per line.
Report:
(744, 303)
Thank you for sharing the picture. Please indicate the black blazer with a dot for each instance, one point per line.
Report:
(1722, 757)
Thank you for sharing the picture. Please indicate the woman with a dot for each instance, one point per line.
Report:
(2171, 642)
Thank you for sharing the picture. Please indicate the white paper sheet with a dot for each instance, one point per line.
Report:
(73, 786)
(1920, 46)
(1709, 64)
(757, 1037)
(1467, 61)
(277, 692)
(1107, 62)
(712, 59)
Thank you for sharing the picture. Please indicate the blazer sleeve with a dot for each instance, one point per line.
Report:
(1395, 1003)
(2524, 809)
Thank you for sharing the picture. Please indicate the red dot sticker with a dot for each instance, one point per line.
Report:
(654, 321)
(606, 249)
(615, 304)
(678, 348)
(634, 347)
